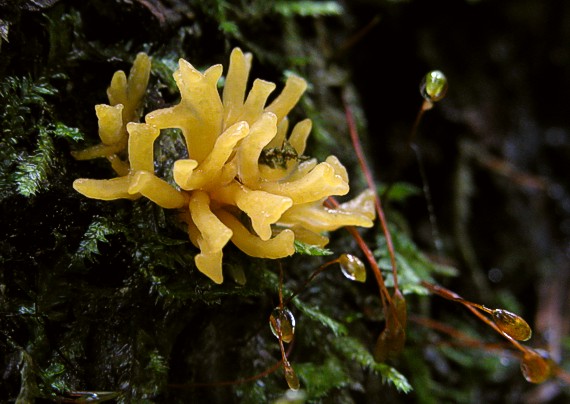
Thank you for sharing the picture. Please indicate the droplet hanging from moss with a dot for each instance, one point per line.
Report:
(534, 367)
(282, 321)
(433, 86)
(291, 377)
(352, 267)
(512, 324)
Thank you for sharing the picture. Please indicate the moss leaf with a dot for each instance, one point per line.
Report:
(319, 380)
(308, 249)
(308, 8)
(353, 349)
(33, 171)
(318, 316)
(96, 232)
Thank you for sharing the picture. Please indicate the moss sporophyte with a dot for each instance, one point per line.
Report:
(225, 174)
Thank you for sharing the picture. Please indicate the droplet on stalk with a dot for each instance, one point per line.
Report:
(433, 86)
(352, 267)
(534, 367)
(291, 376)
(512, 324)
(282, 319)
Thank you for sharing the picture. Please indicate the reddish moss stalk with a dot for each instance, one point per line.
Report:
(370, 181)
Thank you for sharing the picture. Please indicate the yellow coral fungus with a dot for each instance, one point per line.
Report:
(125, 96)
(223, 180)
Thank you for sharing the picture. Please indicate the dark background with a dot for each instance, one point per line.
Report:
(495, 153)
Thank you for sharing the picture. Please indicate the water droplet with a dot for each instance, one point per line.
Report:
(433, 86)
(352, 267)
(512, 324)
(534, 367)
(282, 319)
(291, 376)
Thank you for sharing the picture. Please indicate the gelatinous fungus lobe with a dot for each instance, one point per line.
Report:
(224, 189)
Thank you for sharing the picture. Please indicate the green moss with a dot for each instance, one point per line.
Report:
(308, 8)
(307, 249)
